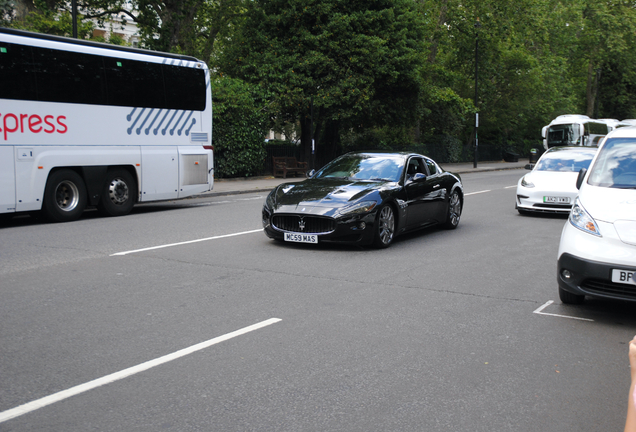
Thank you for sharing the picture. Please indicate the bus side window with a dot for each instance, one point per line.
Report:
(16, 70)
(184, 87)
(70, 77)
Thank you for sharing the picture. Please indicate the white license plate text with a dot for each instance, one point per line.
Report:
(301, 238)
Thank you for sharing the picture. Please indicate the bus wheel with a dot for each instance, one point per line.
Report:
(118, 196)
(64, 196)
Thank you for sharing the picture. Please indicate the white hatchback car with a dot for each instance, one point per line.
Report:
(597, 252)
(551, 185)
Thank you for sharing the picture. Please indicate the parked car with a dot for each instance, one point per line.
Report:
(597, 252)
(365, 198)
(551, 185)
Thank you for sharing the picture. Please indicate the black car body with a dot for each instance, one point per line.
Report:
(365, 198)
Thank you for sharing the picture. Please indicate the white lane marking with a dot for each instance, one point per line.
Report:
(510, 187)
(250, 199)
(539, 312)
(48, 400)
(223, 236)
(185, 242)
(259, 197)
(475, 193)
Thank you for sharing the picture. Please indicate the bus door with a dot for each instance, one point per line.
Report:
(7, 179)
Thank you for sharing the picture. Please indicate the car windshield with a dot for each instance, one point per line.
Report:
(615, 166)
(565, 160)
(364, 167)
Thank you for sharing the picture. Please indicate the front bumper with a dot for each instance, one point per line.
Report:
(532, 201)
(356, 229)
(593, 278)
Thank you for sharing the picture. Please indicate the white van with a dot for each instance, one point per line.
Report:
(597, 253)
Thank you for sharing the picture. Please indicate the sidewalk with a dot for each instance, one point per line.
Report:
(241, 185)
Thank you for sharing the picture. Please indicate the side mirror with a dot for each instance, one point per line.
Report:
(581, 176)
(419, 177)
(529, 166)
(311, 173)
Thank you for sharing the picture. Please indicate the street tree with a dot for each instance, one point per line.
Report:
(352, 64)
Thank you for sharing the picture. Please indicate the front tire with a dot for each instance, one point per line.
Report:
(454, 211)
(119, 193)
(384, 227)
(569, 298)
(64, 196)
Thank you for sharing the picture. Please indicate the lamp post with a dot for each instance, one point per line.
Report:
(477, 26)
(311, 128)
(74, 17)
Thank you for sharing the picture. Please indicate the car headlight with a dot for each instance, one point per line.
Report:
(582, 220)
(361, 207)
(525, 182)
(269, 201)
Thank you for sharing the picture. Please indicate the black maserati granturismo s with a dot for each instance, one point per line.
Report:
(366, 199)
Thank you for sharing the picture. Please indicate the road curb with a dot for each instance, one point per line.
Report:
(269, 188)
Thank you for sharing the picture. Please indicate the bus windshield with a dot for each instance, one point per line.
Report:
(564, 135)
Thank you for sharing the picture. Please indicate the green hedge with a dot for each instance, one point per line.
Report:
(239, 125)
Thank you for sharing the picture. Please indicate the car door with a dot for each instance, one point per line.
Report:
(421, 192)
(438, 180)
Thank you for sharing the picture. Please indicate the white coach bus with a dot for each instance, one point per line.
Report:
(575, 130)
(87, 124)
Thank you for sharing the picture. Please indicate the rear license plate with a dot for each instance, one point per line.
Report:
(624, 277)
(556, 200)
(301, 238)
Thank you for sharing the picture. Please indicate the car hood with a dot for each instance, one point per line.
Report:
(319, 195)
(616, 206)
(554, 181)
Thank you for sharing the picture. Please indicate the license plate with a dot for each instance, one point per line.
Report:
(556, 200)
(301, 238)
(624, 276)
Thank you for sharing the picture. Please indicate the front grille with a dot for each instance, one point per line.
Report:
(553, 206)
(598, 286)
(312, 224)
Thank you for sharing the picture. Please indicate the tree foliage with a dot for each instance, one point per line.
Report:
(386, 72)
(238, 128)
(355, 63)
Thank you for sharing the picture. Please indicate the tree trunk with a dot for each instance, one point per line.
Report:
(22, 8)
(331, 142)
(593, 76)
(305, 137)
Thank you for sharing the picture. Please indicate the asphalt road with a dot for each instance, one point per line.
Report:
(444, 331)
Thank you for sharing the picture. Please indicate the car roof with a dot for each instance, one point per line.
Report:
(380, 153)
(578, 149)
(623, 132)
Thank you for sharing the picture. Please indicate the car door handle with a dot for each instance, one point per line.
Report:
(436, 186)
